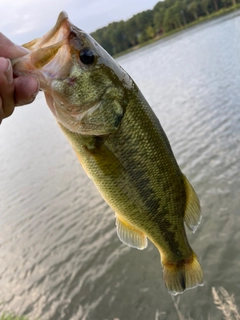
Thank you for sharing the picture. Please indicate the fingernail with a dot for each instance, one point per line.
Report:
(9, 73)
(32, 98)
(24, 50)
(37, 89)
(1, 111)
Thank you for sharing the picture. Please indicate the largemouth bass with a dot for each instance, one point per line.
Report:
(121, 145)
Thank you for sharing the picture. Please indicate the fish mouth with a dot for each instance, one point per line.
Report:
(55, 35)
(47, 54)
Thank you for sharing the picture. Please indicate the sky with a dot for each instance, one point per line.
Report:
(25, 20)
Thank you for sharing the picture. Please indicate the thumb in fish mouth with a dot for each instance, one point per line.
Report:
(26, 89)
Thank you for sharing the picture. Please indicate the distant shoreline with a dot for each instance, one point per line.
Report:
(212, 16)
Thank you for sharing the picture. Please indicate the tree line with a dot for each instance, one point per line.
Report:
(166, 16)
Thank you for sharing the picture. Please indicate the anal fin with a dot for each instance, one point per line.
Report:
(192, 216)
(129, 235)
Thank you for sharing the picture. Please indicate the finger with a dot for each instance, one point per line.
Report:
(26, 89)
(6, 88)
(5, 66)
(10, 50)
(6, 69)
(1, 111)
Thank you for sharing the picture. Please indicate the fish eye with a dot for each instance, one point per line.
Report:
(87, 56)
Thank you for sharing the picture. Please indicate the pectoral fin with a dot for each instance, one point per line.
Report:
(192, 216)
(130, 236)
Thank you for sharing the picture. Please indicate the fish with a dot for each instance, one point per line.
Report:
(121, 145)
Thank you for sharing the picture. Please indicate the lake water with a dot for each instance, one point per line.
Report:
(60, 257)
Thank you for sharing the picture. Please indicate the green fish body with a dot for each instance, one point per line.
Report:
(121, 146)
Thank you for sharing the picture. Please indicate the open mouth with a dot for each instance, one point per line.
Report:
(46, 54)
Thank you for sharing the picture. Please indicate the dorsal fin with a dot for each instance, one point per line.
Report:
(192, 216)
(129, 235)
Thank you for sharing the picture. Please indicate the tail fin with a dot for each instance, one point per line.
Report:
(182, 275)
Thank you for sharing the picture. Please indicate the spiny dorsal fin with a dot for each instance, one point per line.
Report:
(192, 216)
(129, 235)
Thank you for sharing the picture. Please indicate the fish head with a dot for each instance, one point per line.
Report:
(76, 75)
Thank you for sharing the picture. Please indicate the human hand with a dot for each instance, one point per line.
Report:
(13, 91)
